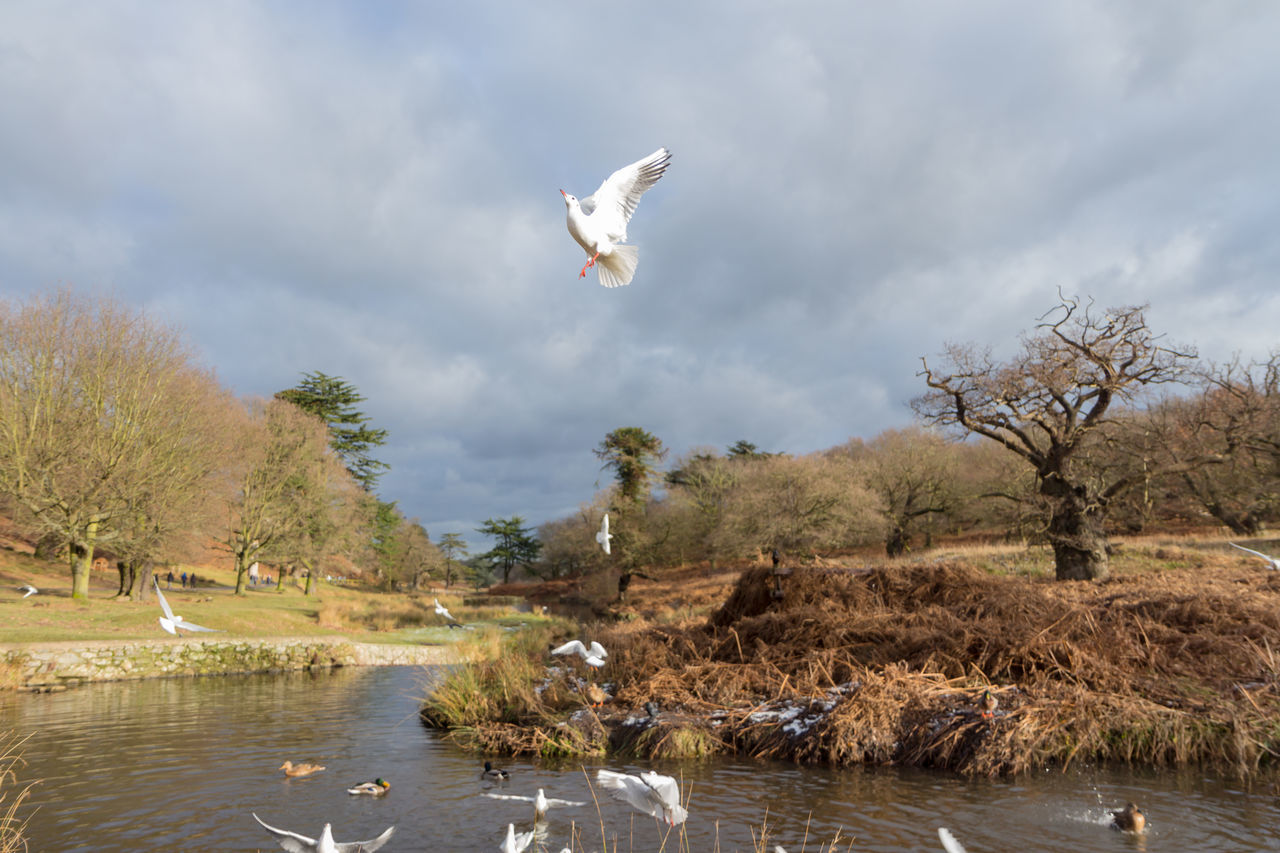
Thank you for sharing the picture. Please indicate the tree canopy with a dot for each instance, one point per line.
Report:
(333, 400)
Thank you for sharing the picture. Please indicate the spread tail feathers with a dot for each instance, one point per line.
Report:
(618, 267)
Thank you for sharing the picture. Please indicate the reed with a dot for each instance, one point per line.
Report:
(11, 795)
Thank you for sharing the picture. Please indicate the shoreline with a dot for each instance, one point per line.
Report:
(56, 666)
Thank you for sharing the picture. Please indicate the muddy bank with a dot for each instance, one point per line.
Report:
(886, 665)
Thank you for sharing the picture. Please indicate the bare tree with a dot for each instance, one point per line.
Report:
(283, 456)
(1048, 402)
(89, 399)
(913, 472)
(801, 503)
(180, 480)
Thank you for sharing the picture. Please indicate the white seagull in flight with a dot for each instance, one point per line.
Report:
(27, 589)
(443, 611)
(1272, 562)
(599, 221)
(604, 535)
(174, 624)
(540, 803)
(295, 843)
(651, 793)
(594, 656)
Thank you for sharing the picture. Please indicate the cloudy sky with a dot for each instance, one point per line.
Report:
(370, 190)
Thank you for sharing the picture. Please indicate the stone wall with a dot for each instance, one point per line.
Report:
(54, 666)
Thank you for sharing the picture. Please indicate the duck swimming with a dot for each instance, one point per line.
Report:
(494, 773)
(293, 771)
(1129, 819)
(376, 788)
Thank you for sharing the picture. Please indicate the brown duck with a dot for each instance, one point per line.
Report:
(1129, 819)
(293, 771)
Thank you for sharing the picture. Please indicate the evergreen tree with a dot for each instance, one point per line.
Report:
(333, 400)
(516, 544)
(632, 453)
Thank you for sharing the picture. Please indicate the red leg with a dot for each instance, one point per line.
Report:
(590, 263)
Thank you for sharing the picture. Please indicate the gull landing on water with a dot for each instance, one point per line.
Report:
(599, 221)
(651, 793)
(296, 843)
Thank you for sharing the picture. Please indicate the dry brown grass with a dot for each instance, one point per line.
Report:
(1165, 668)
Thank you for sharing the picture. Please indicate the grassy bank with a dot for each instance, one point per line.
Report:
(1172, 662)
(366, 615)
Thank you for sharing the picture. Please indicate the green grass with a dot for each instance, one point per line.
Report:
(361, 614)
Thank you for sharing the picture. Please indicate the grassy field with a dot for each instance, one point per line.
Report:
(363, 614)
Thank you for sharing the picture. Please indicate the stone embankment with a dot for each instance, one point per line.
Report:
(55, 666)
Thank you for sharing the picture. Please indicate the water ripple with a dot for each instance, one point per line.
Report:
(181, 763)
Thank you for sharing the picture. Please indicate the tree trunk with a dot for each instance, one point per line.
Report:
(144, 579)
(82, 562)
(895, 544)
(123, 568)
(1075, 532)
(242, 569)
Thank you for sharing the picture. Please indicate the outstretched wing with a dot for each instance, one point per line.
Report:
(597, 650)
(164, 605)
(291, 841)
(1269, 559)
(667, 792)
(573, 647)
(366, 846)
(948, 840)
(519, 797)
(615, 202)
(190, 626)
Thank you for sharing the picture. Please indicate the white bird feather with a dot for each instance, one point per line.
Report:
(295, 843)
(604, 535)
(651, 793)
(599, 221)
(1272, 562)
(175, 624)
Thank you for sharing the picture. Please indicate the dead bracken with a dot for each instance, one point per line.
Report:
(887, 665)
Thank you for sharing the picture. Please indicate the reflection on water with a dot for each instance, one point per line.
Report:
(179, 764)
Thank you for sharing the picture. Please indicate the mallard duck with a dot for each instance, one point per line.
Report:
(376, 788)
(651, 793)
(1129, 819)
(988, 703)
(295, 770)
(594, 656)
(495, 773)
(325, 843)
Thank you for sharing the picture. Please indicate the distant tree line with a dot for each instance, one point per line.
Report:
(112, 440)
(1094, 427)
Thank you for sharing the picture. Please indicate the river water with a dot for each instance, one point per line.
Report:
(180, 764)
